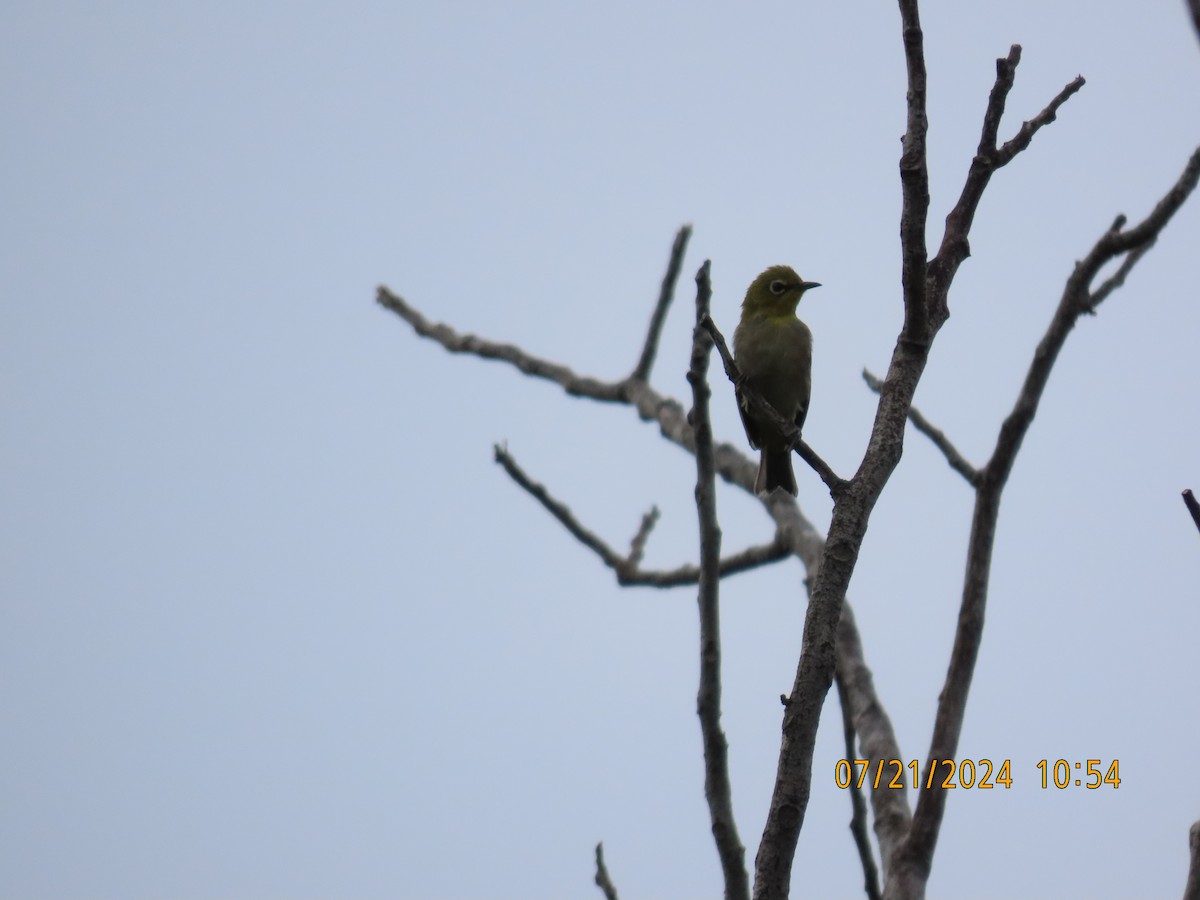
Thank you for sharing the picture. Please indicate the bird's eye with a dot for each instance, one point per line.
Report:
(778, 287)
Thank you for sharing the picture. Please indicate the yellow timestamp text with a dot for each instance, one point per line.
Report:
(980, 774)
(1061, 773)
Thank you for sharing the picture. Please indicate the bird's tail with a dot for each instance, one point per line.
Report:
(775, 471)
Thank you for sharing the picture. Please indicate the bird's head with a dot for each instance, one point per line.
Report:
(776, 292)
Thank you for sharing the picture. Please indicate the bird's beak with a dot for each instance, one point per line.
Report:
(807, 285)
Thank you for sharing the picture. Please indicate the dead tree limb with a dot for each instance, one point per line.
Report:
(628, 568)
(909, 870)
(717, 789)
(793, 530)
(926, 284)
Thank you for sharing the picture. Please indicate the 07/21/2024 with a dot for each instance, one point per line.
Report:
(982, 774)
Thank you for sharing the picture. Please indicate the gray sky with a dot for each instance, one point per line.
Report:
(273, 624)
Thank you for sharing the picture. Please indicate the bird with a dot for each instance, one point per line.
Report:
(773, 351)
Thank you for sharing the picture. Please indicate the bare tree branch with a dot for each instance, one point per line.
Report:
(858, 806)
(829, 633)
(853, 503)
(957, 461)
(627, 568)
(560, 511)
(650, 406)
(666, 293)
(909, 872)
(876, 738)
(602, 880)
(637, 546)
(575, 385)
(926, 287)
(914, 181)
(1024, 135)
(788, 429)
(792, 527)
(1191, 890)
(1189, 500)
(1117, 279)
(717, 790)
(955, 247)
(1117, 241)
(743, 561)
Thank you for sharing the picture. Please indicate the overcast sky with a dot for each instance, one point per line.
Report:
(273, 623)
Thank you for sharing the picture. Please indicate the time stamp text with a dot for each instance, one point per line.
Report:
(976, 774)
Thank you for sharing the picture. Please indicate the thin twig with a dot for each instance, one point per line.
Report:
(1006, 73)
(761, 407)
(1114, 281)
(666, 293)
(559, 510)
(637, 547)
(1119, 240)
(751, 558)
(602, 880)
(913, 860)
(876, 737)
(717, 789)
(650, 406)
(858, 806)
(1189, 500)
(1028, 129)
(575, 385)
(627, 568)
(957, 461)
(956, 246)
(743, 561)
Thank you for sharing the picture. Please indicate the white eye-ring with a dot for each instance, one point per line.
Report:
(778, 287)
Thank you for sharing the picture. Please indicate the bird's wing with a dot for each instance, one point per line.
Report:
(751, 430)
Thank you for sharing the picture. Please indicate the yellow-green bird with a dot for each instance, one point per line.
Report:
(773, 350)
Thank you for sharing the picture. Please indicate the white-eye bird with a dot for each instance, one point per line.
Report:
(773, 350)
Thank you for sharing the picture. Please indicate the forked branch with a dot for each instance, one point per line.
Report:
(911, 865)
(628, 568)
(926, 285)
